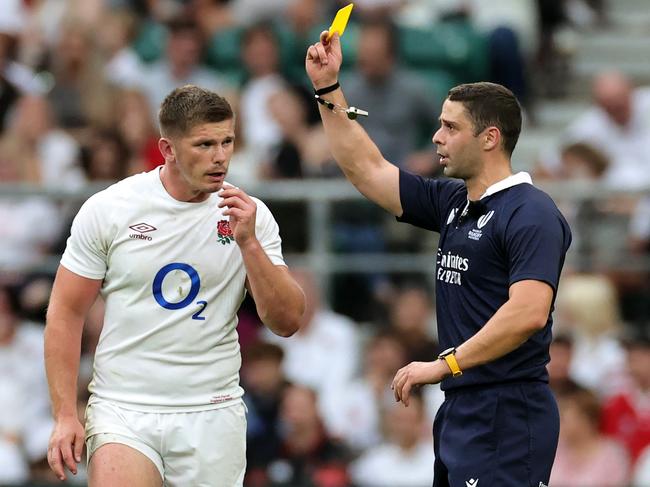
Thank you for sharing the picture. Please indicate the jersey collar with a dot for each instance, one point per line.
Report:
(513, 180)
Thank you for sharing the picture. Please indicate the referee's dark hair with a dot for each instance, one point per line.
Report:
(190, 105)
(491, 105)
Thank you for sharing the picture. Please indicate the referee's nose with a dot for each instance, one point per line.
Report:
(437, 139)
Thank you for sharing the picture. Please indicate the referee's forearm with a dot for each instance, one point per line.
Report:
(352, 148)
(507, 330)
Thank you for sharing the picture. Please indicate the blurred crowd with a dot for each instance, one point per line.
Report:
(80, 83)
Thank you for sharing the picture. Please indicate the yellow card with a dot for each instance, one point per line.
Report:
(340, 21)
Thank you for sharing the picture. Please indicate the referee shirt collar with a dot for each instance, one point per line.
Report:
(513, 180)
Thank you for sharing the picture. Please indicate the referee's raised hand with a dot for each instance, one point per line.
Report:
(323, 61)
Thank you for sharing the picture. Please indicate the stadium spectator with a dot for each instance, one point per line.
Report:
(81, 95)
(308, 456)
(212, 15)
(616, 125)
(136, 127)
(264, 384)
(180, 65)
(303, 150)
(324, 353)
(354, 410)
(122, 66)
(41, 143)
(589, 305)
(586, 458)
(30, 224)
(16, 78)
(626, 415)
(26, 422)
(561, 352)
(261, 58)
(581, 161)
(405, 457)
(106, 156)
(412, 318)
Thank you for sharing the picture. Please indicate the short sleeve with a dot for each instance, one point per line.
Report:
(537, 238)
(87, 247)
(268, 233)
(425, 201)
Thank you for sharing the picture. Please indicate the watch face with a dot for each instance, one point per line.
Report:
(444, 353)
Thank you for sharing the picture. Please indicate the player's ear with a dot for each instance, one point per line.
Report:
(491, 138)
(166, 149)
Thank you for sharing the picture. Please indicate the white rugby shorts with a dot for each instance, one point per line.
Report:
(198, 448)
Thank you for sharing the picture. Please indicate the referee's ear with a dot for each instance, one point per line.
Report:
(491, 138)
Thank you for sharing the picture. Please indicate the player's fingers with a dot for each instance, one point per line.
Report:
(237, 202)
(228, 191)
(235, 191)
(56, 463)
(68, 459)
(78, 446)
(236, 213)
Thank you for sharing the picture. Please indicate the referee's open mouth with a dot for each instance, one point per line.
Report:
(443, 159)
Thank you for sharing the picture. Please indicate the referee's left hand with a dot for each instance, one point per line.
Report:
(417, 374)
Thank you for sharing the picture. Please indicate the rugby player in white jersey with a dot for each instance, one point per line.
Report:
(172, 252)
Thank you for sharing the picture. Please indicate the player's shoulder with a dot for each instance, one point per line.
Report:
(123, 190)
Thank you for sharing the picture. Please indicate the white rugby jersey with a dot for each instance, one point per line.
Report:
(173, 282)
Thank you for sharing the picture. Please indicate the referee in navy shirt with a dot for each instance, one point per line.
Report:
(501, 252)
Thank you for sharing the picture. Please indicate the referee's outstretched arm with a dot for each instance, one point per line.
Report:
(356, 154)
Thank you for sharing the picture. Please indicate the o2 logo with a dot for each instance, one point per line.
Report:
(189, 299)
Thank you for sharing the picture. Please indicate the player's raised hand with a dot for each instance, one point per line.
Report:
(65, 447)
(323, 61)
(241, 210)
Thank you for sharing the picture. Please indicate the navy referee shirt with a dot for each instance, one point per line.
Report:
(514, 232)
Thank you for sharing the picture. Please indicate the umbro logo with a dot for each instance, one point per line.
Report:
(471, 483)
(141, 229)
